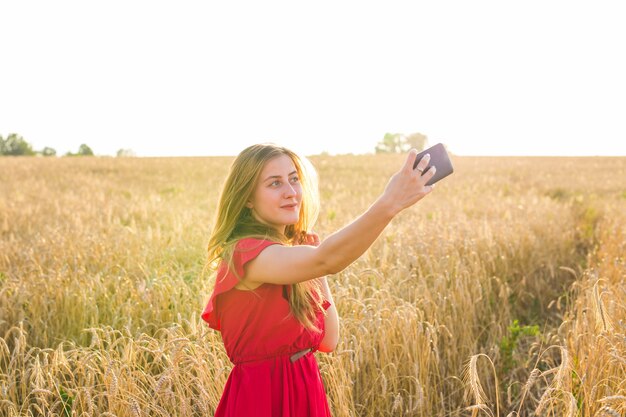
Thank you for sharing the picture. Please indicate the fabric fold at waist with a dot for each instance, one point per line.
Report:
(293, 356)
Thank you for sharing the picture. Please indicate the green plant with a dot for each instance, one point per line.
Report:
(67, 401)
(509, 343)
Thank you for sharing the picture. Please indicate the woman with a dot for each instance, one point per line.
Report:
(271, 300)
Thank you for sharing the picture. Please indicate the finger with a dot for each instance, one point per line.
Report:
(410, 160)
(423, 163)
(427, 175)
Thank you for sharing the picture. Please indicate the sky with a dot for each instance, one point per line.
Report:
(199, 78)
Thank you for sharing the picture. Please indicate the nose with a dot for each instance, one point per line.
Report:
(290, 191)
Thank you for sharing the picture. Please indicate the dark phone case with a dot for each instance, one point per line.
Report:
(439, 158)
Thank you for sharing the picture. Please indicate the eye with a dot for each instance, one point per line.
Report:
(274, 183)
(295, 179)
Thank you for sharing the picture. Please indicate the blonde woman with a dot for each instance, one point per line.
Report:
(271, 300)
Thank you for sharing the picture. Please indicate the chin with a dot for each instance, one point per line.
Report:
(289, 219)
(290, 222)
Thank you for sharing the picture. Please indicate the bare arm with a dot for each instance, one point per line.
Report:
(279, 264)
(331, 321)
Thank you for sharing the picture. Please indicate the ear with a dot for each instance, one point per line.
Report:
(249, 204)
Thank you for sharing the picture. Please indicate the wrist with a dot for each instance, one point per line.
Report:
(385, 208)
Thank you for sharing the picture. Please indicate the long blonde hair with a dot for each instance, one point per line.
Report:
(234, 221)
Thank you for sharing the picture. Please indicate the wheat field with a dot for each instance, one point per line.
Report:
(501, 294)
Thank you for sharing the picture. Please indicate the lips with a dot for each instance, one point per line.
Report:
(289, 206)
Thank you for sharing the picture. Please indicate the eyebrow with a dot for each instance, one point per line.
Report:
(278, 176)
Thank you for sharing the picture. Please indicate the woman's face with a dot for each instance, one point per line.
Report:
(278, 195)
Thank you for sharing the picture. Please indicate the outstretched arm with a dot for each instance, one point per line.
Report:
(279, 264)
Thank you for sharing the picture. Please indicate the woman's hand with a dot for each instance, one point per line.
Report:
(408, 186)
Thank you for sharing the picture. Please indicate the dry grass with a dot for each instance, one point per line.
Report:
(101, 284)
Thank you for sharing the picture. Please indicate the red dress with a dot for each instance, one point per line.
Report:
(260, 335)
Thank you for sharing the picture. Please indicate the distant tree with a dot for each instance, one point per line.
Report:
(125, 152)
(417, 141)
(15, 145)
(84, 150)
(391, 143)
(398, 142)
(2, 147)
(48, 151)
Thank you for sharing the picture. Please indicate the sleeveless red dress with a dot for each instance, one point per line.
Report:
(260, 336)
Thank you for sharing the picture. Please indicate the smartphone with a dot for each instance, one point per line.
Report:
(440, 159)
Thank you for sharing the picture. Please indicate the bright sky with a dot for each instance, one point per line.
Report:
(210, 78)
